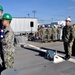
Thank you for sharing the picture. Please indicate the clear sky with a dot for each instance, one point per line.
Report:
(46, 10)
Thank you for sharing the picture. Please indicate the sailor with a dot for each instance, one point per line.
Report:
(54, 33)
(49, 33)
(43, 33)
(58, 33)
(8, 41)
(68, 38)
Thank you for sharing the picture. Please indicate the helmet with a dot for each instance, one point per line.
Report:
(7, 16)
(43, 25)
(68, 19)
(1, 8)
(54, 25)
(48, 25)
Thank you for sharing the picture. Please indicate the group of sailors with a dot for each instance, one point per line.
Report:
(49, 34)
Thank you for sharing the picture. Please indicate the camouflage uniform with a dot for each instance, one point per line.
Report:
(54, 34)
(49, 33)
(68, 38)
(8, 47)
(73, 48)
(39, 31)
(43, 34)
(58, 33)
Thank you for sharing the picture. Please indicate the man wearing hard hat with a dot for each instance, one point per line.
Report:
(58, 33)
(8, 41)
(43, 33)
(68, 38)
(54, 33)
(49, 33)
(1, 35)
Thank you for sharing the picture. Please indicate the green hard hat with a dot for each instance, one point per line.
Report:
(7, 16)
(1, 8)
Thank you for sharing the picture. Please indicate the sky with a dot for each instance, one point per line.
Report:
(46, 10)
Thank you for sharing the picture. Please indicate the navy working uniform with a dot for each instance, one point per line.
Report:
(8, 43)
(8, 47)
(68, 39)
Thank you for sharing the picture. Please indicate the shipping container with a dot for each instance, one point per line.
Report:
(23, 25)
